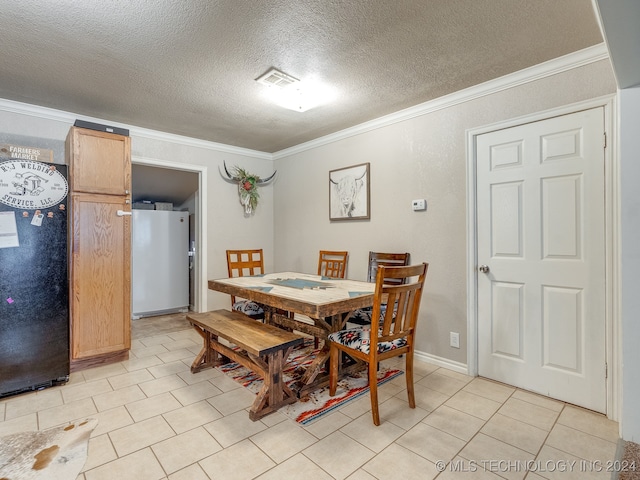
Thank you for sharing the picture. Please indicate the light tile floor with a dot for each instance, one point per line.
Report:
(159, 421)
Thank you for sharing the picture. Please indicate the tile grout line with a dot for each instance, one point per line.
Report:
(496, 413)
(467, 442)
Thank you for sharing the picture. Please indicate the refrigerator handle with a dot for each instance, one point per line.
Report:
(122, 213)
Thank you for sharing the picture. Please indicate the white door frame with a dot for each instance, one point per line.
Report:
(612, 224)
(200, 277)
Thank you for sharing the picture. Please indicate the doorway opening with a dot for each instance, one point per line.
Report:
(161, 185)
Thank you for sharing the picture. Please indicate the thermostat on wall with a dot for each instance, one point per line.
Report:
(420, 204)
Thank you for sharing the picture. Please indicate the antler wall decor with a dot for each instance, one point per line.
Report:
(247, 186)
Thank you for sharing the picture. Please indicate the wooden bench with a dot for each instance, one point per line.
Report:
(262, 348)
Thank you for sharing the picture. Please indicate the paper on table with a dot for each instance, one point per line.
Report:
(8, 230)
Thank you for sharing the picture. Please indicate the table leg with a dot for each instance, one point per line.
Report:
(317, 373)
(268, 314)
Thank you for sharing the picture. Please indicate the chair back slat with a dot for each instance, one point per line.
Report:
(244, 262)
(399, 326)
(403, 302)
(332, 264)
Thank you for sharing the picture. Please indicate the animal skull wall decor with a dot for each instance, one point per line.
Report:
(247, 187)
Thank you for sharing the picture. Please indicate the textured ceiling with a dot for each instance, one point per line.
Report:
(188, 67)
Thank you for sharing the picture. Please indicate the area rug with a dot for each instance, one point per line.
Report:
(55, 454)
(318, 402)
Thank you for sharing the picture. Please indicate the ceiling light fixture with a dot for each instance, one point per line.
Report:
(291, 93)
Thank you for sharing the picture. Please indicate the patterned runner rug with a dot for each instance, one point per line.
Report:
(317, 403)
(55, 454)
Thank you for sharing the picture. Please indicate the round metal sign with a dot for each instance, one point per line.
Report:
(31, 185)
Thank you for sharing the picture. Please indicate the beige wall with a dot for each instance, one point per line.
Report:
(424, 157)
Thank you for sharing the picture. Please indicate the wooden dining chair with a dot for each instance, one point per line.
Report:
(332, 264)
(388, 260)
(394, 336)
(362, 316)
(242, 263)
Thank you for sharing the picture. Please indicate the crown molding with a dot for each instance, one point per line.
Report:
(527, 75)
(194, 142)
(69, 118)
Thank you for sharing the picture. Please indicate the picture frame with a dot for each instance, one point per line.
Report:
(349, 193)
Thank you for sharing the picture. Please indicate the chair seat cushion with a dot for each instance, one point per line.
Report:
(359, 339)
(249, 308)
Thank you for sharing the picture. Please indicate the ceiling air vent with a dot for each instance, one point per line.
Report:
(276, 78)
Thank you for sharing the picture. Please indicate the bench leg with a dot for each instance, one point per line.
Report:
(207, 357)
(274, 392)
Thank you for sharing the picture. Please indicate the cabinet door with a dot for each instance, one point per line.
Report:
(100, 162)
(100, 275)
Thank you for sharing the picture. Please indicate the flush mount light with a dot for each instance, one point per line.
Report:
(291, 93)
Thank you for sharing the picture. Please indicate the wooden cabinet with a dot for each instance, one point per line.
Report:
(100, 284)
(100, 162)
(100, 246)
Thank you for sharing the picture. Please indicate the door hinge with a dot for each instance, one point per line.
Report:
(605, 140)
(606, 370)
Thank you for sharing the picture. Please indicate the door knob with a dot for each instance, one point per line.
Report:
(484, 268)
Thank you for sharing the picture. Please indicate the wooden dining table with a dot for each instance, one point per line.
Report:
(307, 303)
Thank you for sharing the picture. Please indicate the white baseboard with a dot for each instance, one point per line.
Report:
(441, 362)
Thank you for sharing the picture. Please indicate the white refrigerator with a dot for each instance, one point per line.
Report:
(160, 262)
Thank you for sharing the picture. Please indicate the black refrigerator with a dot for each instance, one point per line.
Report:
(34, 288)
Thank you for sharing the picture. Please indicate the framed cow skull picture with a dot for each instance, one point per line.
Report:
(349, 197)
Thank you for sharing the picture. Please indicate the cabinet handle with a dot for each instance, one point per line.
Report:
(122, 213)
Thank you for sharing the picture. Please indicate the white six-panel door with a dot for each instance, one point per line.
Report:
(541, 257)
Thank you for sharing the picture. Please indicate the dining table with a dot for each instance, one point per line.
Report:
(311, 304)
